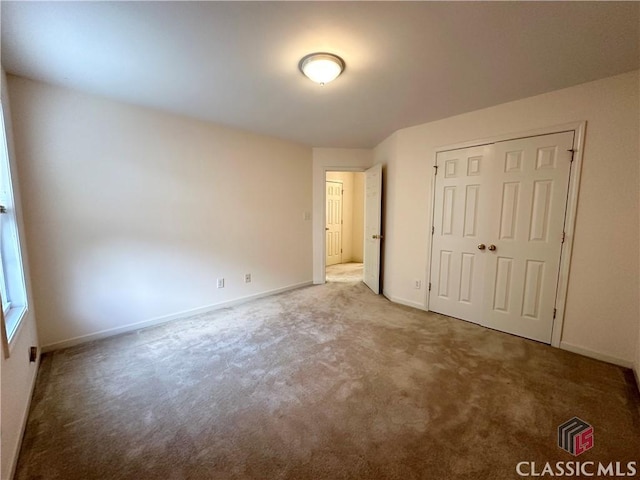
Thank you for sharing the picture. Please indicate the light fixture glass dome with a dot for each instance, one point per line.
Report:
(321, 67)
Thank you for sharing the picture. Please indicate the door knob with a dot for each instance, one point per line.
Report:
(492, 248)
(377, 237)
(326, 228)
(482, 246)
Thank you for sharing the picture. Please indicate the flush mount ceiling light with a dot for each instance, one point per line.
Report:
(321, 67)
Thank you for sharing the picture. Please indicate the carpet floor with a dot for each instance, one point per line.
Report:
(325, 382)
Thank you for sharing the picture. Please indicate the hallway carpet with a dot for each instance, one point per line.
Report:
(345, 272)
(326, 382)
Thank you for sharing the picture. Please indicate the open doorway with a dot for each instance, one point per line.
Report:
(344, 227)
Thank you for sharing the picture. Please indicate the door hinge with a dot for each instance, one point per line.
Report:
(564, 235)
(433, 229)
(554, 313)
(429, 286)
(573, 152)
(3, 209)
(436, 167)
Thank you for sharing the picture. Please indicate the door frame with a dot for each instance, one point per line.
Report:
(341, 216)
(325, 170)
(579, 129)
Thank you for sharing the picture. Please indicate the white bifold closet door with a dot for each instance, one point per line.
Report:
(499, 217)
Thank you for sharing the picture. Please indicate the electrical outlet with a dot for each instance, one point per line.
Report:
(418, 284)
(247, 278)
(221, 283)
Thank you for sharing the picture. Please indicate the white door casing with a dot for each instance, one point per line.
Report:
(372, 227)
(334, 192)
(515, 206)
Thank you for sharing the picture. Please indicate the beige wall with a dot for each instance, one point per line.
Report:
(326, 160)
(132, 214)
(353, 214)
(602, 311)
(17, 374)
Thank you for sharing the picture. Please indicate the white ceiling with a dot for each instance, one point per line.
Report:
(236, 63)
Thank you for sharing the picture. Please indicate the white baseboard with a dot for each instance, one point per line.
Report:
(563, 345)
(164, 319)
(402, 301)
(597, 355)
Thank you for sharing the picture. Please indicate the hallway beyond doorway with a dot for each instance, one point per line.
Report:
(345, 272)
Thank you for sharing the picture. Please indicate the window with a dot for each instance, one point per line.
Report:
(12, 285)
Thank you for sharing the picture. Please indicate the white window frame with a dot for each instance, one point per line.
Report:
(12, 280)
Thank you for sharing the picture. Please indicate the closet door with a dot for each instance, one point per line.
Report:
(530, 181)
(499, 215)
(461, 225)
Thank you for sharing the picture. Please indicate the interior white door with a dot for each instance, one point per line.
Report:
(530, 186)
(334, 223)
(372, 227)
(460, 225)
(499, 215)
